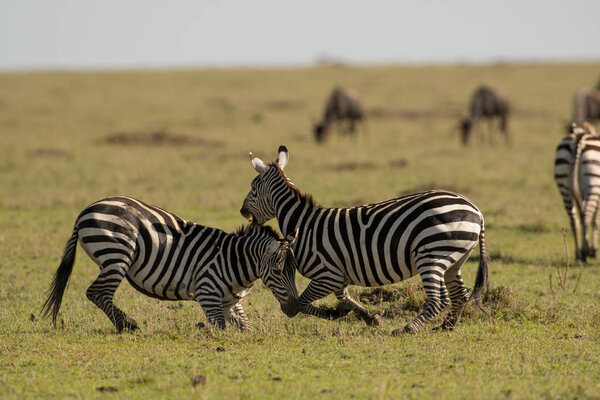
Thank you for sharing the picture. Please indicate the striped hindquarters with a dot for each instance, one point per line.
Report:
(577, 168)
(156, 249)
(564, 161)
(589, 167)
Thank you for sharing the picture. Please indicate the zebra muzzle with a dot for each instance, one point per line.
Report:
(291, 307)
(246, 214)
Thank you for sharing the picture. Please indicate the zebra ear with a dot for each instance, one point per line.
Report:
(291, 238)
(283, 157)
(258, 164)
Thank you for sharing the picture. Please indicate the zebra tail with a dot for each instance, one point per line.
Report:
(61, 278)
(482, 277)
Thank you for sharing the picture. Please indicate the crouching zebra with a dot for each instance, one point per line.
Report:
(577, 175)
(169, 258)
(430, 233)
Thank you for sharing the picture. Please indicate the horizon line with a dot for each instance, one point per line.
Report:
(324, 62)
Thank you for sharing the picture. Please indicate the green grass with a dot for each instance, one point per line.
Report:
(55, 159)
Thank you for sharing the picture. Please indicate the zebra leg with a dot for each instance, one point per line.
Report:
(237, 316)
(213, 309)
(458, 293)
(348, 304)
(575, 228)
(317, 290)
(590, 207)
(596, 223)
(432, 275)
(101, 293)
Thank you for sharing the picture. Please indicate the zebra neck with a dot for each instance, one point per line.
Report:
(292, 208)
(243, 255)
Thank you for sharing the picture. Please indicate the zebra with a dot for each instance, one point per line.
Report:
(430, 233)
(169, 258)
(577, 176)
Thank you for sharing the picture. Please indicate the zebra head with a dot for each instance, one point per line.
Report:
(277, 271)
(258, 205)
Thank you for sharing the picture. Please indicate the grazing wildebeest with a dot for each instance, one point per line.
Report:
(486, 103)
(586, 106)
(343, 105)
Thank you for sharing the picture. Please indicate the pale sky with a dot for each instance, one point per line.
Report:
(74, 34)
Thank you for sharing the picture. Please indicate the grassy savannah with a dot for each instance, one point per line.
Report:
(180, 140)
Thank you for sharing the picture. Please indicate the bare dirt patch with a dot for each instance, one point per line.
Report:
(398, 163)
(107, 389)
(536, 114)
(50, 153)
(222, 103)
(157, 138)
(394, 113)
(539, 226)
(284, 104)
(352, 166)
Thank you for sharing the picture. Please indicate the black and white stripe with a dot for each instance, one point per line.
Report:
(577, 175)
(431, 234)
(169, 258)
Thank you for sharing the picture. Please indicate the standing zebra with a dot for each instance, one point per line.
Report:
(577, 175)
(169, 258)
(430, 233)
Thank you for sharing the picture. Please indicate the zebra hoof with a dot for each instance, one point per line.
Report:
(130, 325)
(342, 310)
(445, 326)
(406, 330)
(373, 320)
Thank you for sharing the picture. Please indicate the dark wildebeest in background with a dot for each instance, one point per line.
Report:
(586, 105)
(342, 106)
(486, 103)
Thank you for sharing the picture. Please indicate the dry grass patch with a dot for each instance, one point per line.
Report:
(158, 137)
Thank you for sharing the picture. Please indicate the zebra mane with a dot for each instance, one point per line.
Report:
(244, 230)
(304, 197)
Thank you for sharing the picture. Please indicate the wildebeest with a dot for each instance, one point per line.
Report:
(486, 103)
(586, 105)
(342, 106)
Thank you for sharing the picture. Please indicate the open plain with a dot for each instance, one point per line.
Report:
(180, 140)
